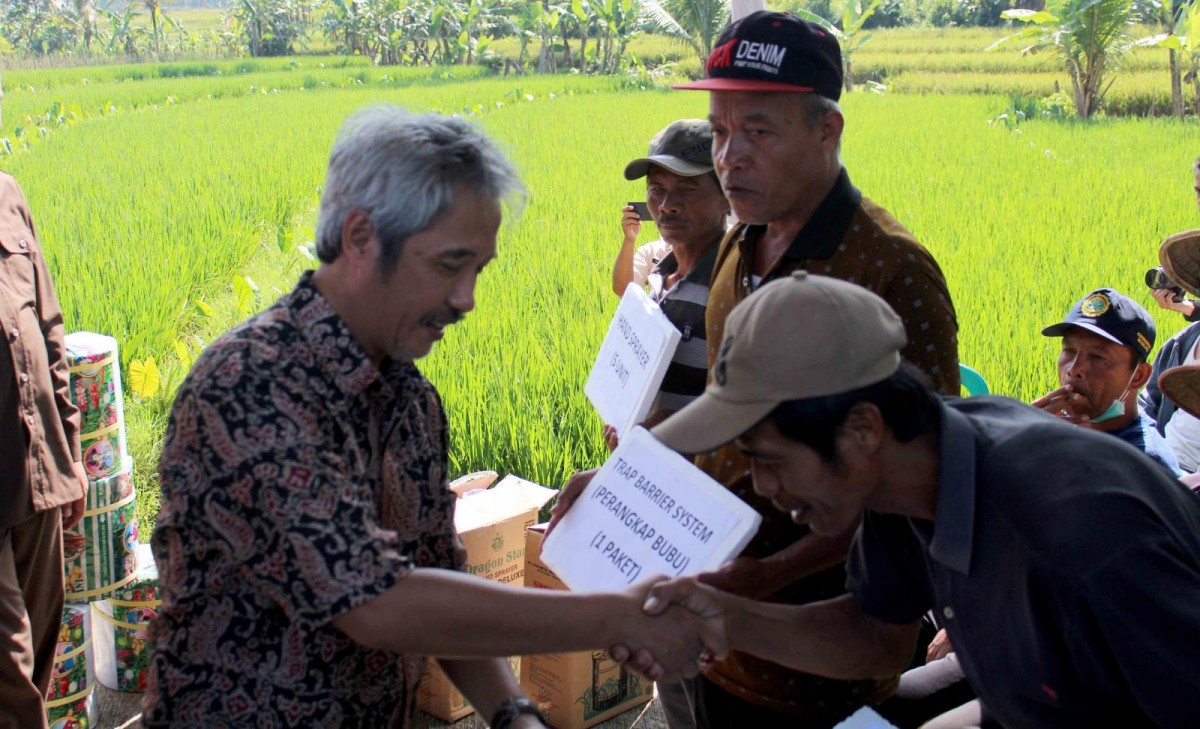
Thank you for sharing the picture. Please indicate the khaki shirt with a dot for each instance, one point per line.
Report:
(851, 238)
(39, 425)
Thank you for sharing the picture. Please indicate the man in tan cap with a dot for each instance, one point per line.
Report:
(1065, 566)
(774, 82)
(1181, 385)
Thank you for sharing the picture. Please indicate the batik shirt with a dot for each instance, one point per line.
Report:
(299, 481)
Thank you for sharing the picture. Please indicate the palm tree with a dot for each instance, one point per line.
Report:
(697, 23)
(85, 10)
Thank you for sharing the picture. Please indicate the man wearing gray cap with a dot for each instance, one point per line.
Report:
(686, 204)
(1065, 565)
(684, 199)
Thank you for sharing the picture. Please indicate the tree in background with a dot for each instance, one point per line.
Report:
(850, 36)
(273, 27)
(86, 17)
(1182, 35)
(39, 26)
(697, 23)
(1089, 36)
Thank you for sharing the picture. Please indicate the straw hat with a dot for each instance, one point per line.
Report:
(1182, 386)
(1179, 255)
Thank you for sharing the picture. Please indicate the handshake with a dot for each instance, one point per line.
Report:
(681, 627)
(668, 628)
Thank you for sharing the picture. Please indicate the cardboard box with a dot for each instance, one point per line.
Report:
(575, 690)
(438, 696)
(492, 525)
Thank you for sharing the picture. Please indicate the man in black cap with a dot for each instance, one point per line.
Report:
(1106, 341)
(774, 84)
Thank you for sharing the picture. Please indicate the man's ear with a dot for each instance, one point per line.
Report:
(832, 125)
(358, 236)
(863, 427)
(1141, 375)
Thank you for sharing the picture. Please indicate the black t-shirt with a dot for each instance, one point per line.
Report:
(1064, 564)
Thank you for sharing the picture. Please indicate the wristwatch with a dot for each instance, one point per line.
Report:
(511, 709)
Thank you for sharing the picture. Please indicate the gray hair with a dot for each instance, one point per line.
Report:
(1196, 166)
(403, 170)
(816, 107)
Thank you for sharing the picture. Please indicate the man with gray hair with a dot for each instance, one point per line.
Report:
(305, 544)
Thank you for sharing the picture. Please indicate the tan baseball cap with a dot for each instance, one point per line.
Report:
(1179, 255)
(796, 338)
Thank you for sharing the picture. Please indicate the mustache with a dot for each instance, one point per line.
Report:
(443, 318)
(669, 219)
(1080, 390)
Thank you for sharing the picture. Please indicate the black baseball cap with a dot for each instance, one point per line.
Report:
(1112, 315)
(774, 52)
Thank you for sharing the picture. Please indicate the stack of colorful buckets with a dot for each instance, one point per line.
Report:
(111, 581)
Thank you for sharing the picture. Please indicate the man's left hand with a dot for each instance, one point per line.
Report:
(1166, 300)
(610, 437)
(567, 496)
(1063, 403)
(72, 513)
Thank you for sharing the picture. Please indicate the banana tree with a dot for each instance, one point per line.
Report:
(154, 8)
(1180, 39)
(123, 36)
(850, 36)
(527, 18)
(1089, 37)
(548, 29)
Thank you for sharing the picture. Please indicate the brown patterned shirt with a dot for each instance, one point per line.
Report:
(851, 238)
(298, 482)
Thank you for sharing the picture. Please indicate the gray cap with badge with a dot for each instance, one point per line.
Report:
(684, 147)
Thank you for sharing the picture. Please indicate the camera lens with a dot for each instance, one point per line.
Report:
(1156, 278)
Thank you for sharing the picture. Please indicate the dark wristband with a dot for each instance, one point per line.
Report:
(511, 709)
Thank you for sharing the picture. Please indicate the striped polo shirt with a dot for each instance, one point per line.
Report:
(684, 304)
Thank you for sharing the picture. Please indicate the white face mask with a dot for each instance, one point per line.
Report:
(1117, 408)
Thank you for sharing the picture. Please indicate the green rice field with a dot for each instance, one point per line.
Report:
(160, 192)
